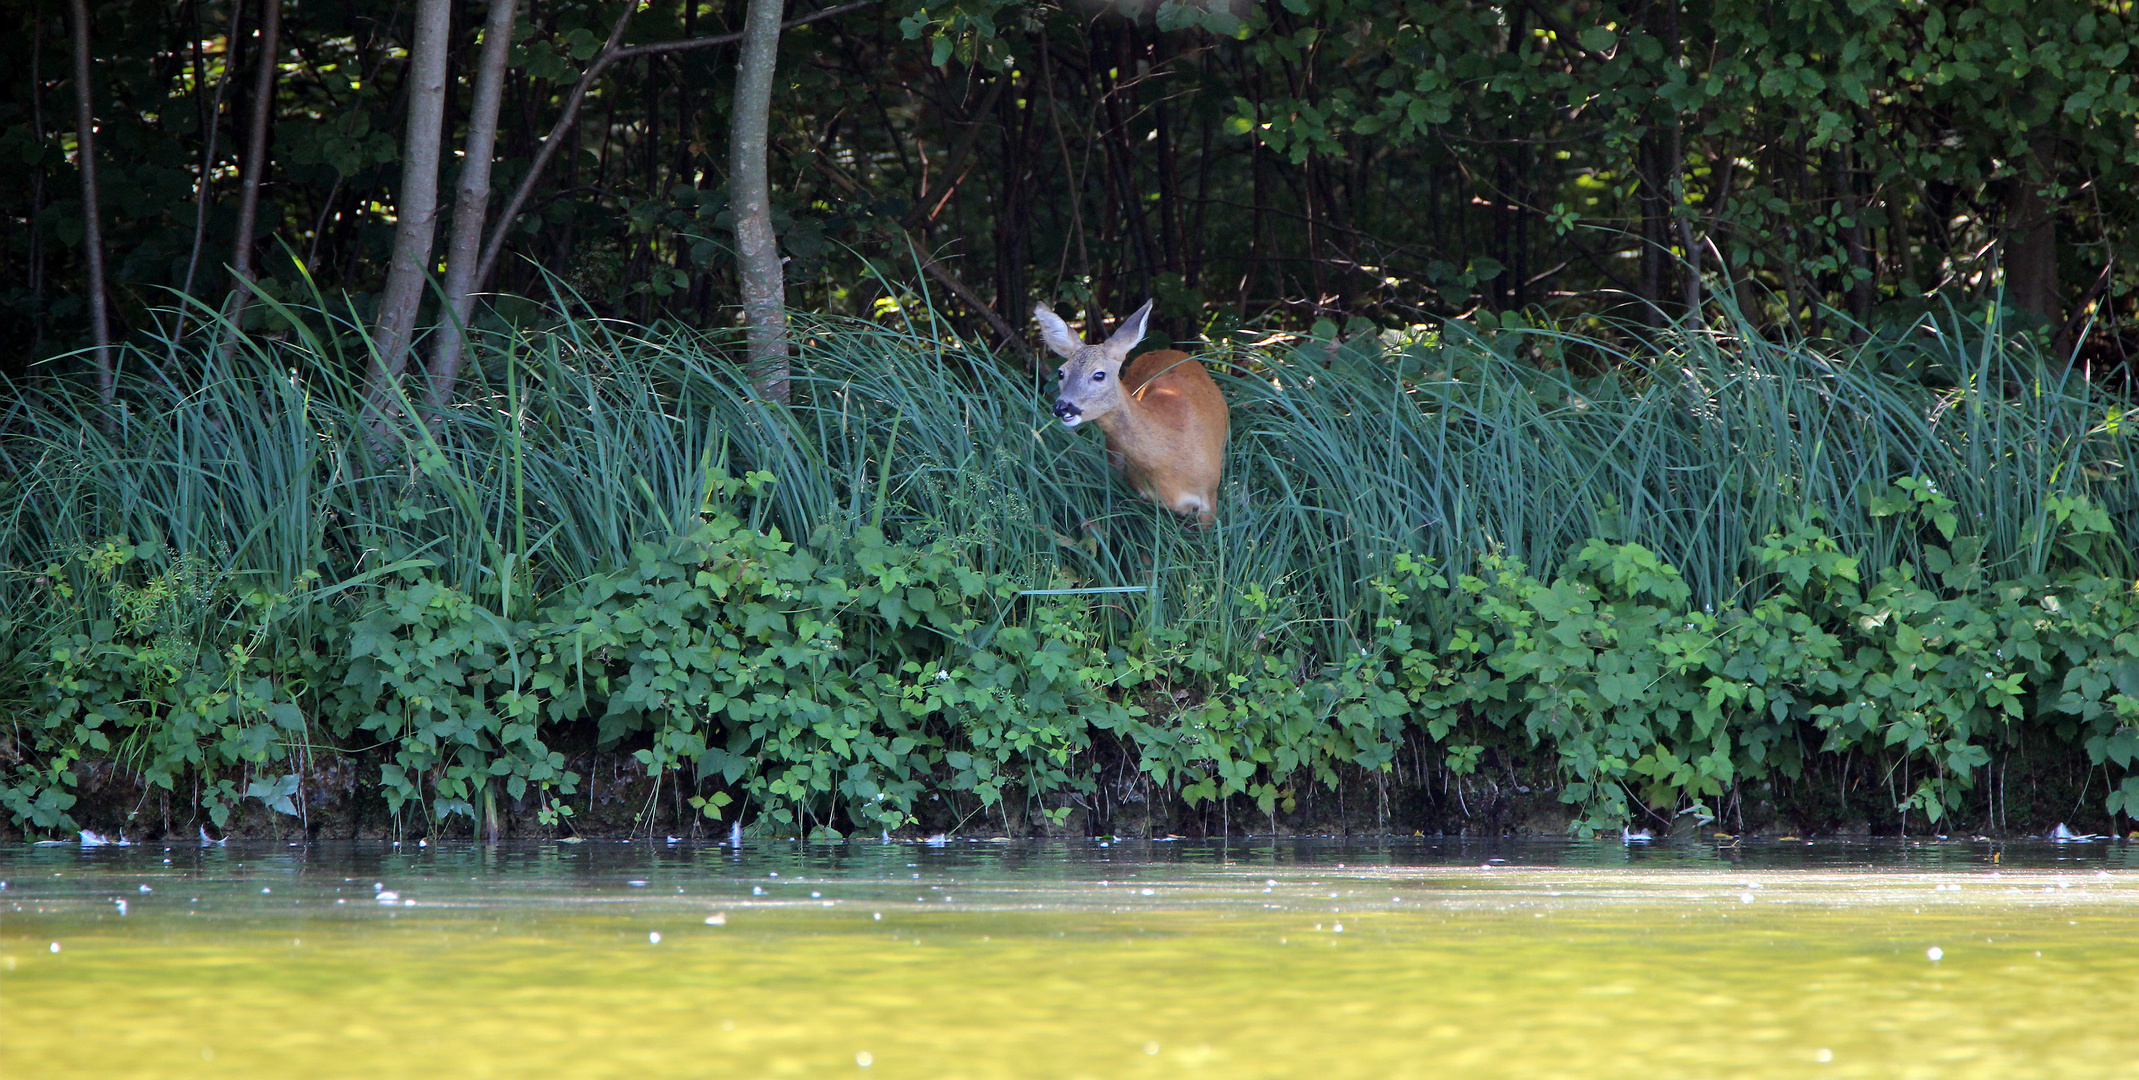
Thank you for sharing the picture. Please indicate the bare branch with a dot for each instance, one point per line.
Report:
(610, 54)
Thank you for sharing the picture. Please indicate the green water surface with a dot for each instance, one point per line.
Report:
(1297, 960)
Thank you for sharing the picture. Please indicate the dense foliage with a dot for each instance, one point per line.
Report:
(910, 599)
(1821, 165)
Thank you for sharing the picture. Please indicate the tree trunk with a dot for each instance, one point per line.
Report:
(212, 121)
(1858, 287)
(563, 132)
(757, 251)
(556, 139)
(92, 229)
(2030, 237)
(1682, 214)
(417, 205)
(464, 251)
(37, 184)
(263, 112)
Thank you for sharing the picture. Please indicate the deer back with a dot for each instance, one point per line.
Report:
(1169, 436)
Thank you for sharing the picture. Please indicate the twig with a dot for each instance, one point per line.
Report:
(610, 54)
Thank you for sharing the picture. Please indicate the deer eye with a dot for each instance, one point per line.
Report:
(1099, 376)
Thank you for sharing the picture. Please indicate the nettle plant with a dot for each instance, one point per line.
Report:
(834, 683)
(161, 663)
(1652, 705)
(841, 683)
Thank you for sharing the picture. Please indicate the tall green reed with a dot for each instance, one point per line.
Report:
(575, 440)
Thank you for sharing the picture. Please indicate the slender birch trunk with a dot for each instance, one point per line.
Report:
(757, 251)
(263, 113)
(417, 206)
(92, 227)
(37, 180)
(611, 53)
(464, 250)
(212, 122)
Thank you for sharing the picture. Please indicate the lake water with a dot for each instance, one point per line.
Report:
(1297, 959)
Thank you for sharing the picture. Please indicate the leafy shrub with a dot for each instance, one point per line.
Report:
(160, 668)
(1650, 588)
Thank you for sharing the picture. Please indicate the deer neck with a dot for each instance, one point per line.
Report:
(1124, 424)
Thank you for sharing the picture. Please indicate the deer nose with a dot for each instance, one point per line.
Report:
(1064, 410)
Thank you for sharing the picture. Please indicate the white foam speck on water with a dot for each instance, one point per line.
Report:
(1935, 953)
(55, 946)
(1151, 1048)
(1823, 1055)
(653, 937)
(864, 1059)
(876, 916)
(718, 918)
(1745, 898)
(1147, 892)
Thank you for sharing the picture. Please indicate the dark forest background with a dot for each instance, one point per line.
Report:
(1830, 167)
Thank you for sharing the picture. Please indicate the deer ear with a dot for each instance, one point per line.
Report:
(1130, 331)
(1056, 333)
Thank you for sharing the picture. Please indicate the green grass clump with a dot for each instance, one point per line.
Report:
(192, 576)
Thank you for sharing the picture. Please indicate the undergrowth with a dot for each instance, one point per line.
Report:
(1661, 578)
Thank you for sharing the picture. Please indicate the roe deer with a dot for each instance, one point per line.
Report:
(1163, 417)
